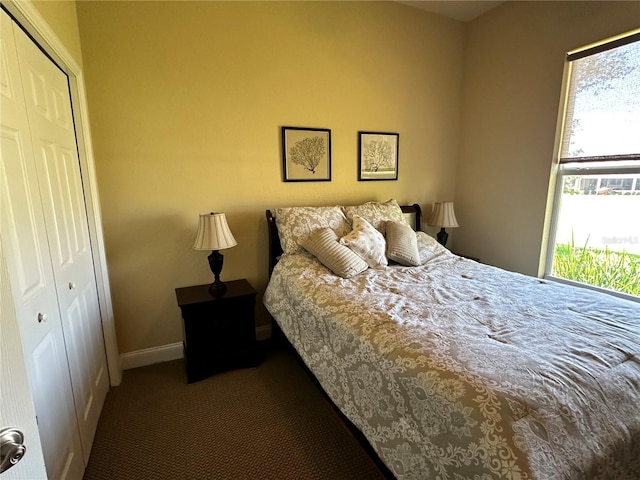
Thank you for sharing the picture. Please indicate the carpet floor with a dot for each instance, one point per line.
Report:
(269, 422)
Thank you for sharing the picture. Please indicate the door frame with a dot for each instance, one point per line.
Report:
(35, 25)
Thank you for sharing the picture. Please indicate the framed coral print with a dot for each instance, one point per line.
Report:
(378, 156)
(306, 154)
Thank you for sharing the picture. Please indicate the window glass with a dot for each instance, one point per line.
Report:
(595, 238)
(603, 116)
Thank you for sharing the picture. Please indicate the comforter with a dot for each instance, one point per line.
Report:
(459, 370)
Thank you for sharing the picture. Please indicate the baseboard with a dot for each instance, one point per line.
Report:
(263, 333)
(173, 351)
(149, 356)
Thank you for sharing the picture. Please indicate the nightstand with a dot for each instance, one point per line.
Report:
(219, 331)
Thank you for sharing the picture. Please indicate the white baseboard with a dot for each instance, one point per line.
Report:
(149, 356)
(173, 351)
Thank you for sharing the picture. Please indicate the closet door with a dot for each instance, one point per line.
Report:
(50, 119)
(25, 243)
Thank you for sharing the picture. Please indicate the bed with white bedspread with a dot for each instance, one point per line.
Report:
(453, 369)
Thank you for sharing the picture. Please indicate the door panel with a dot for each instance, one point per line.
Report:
(59, 227)
(50, 120)
(45, 237)
(21, 227)
(49, 113)
(16, 399)
(75, 314)
(48, 369)
(25, 244)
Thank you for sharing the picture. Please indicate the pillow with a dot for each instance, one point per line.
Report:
(367, 242)
(323, 244)
(428, 247)
(402, 244)
(295, 224)
(377, 214)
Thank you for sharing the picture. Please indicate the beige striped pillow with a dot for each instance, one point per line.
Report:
(341, 260)
(402, 244)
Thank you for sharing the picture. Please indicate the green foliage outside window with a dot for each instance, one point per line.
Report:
(602, 268)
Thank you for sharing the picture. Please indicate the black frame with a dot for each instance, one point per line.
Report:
(294, 172)
(369, 175)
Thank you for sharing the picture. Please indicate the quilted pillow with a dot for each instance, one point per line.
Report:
(295, 224)
(428, 247)
(324, 245)
(402, 244)
(367, 242)
(377, 214)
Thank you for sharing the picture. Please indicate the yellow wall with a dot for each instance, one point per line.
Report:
(61, 17)
(512, 85)
(186, 102)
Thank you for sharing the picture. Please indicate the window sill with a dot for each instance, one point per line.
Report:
(614, 293)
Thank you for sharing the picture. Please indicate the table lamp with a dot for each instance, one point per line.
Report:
(214, 234)
(443, 216)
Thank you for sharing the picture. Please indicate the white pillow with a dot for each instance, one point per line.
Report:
(428, 247)
(295, 224)
(367, 242)
(402, 244)
(324, 245)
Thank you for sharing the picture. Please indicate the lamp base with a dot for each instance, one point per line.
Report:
(216, 260)
(217, 289)
(442, 237)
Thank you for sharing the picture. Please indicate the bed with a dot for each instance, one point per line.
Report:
(453, 369)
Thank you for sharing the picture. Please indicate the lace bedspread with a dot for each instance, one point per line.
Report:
(458, 370)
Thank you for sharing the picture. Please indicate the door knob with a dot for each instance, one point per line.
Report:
(72, 285)
(42, 317)
(11, 448)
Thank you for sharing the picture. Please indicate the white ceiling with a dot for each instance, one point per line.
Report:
(458, 10)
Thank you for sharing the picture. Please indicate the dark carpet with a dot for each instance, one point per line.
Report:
(269, 422)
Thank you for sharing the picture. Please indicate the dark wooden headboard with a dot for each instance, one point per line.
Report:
(275, 249)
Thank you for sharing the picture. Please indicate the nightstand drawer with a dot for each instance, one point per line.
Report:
(224, 326)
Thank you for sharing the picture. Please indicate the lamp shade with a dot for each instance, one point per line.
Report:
(213, 233)
(443, 215)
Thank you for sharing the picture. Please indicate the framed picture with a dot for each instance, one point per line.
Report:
(378, 156)
(306, 154)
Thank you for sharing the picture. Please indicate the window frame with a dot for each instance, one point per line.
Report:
(567, 166)
(569, 169)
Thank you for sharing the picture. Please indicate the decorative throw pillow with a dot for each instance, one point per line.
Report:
(295, 224)
(325, 246)
(377, 214)
(402, 244)
(428, 247)
(367, 242)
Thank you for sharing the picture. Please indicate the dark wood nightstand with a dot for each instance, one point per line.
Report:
(219, 332)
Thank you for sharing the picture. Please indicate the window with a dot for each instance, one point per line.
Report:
(595, 229)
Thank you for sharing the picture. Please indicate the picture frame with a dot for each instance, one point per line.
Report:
(306, 154)
(378, 156)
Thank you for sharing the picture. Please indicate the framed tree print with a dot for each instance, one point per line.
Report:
(378, 156)
(306, 154)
